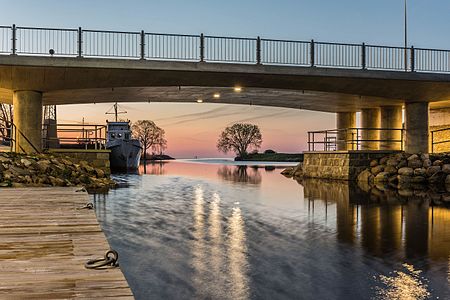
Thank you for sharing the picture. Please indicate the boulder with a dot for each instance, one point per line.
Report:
(415, 163)
(426, 163)
(420, 172)
(404, 179)
(447, 180)
(432, 170)
(392, 162)
(373, 163)
(391, 170)
(405, 171)
(438, 178)
(413, 157)
(418, 179)
(446, 168)
(383, 160)
(402, 163)
(438, 162)
(377, 169)
(365, 176)
(382, 177)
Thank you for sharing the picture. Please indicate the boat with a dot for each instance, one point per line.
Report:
(125, 151)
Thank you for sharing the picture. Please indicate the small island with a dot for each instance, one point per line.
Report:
(271, 155)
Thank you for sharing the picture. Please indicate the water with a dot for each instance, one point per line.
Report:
(190, 230)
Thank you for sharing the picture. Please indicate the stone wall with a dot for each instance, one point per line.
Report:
(439, 119)
(342, 165)
(97, 158)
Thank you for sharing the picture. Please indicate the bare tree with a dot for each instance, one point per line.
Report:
(239, 137)
(6, 115)
(151, 136)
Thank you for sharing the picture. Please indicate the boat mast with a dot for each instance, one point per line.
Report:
(116, 112)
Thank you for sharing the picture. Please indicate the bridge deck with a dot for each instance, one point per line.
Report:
(45, 239)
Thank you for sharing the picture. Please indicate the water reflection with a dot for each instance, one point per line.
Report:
(403, 285)
(240, 174)
(271, 238)
(219, 262)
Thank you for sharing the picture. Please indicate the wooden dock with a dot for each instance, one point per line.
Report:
(45, 240)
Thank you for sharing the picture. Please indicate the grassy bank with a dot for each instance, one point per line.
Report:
(278, 157)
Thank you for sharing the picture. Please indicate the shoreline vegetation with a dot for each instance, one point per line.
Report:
(271, 156)
(157, 157)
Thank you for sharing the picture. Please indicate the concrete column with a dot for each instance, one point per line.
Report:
(28, 121)
(370, 118)
(417, 127)
(345, 120)
(391, 117)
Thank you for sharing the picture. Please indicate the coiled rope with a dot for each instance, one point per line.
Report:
(110, 260)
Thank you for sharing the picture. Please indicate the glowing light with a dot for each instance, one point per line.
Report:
(199, 100)
(237, 89)
(216, 95)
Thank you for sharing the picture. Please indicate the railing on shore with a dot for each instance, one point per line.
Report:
(440, 137)
(354, 138)
(6, 137)
(74, 136)
(71, 42)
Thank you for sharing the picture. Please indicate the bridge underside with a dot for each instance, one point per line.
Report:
(48, 80)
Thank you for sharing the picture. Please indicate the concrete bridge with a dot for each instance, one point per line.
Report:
(44, 66)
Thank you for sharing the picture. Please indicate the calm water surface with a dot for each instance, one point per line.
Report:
(213, 230)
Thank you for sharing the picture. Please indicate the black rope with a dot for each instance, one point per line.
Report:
(110, 260)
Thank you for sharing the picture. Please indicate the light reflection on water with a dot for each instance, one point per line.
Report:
(204, 231)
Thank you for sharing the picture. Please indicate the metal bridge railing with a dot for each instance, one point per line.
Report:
(204, 48)
(440, 140)
(354, 138)
(74, 136)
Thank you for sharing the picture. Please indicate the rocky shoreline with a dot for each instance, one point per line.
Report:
(43, 170)
(405, 169)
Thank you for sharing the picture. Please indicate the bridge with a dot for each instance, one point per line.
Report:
(50, 66)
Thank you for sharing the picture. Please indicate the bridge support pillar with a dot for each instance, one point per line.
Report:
(27, 121)
(391, 118)
(370, 118)
(417, 127)
(344, 121)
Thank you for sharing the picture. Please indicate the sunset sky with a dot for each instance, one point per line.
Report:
(192, 129)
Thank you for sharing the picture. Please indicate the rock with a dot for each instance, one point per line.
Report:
(438, 178)
(415, 163)
(413, 157)
(424, 156)
(373, 163)
(19, 171)
(26, 162)
(438, 162)
(364, 176)
(383, 160)
(382, 177)
(420, 172)
(447, 180)
(288, 172)
(392, 162)
(405, 171)
(404, 179)
(402, 163)
(418, 179)
(391, 170)
(446, 168)
(377, 169)
(432, 170)
(426, 163)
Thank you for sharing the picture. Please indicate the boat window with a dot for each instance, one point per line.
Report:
(113, 135)
(127, 136)
(119, 135)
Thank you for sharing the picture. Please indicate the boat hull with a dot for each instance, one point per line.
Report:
(125, 154)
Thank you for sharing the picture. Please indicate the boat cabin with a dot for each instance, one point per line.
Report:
(118, 131)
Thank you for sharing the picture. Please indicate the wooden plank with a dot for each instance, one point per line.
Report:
(45, 239)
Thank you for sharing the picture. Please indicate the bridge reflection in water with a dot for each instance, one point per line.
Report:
(383, 225)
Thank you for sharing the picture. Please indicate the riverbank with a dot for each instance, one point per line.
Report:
(43, 170)
(276, 157)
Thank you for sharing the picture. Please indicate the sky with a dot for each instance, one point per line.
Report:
(192, 129)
